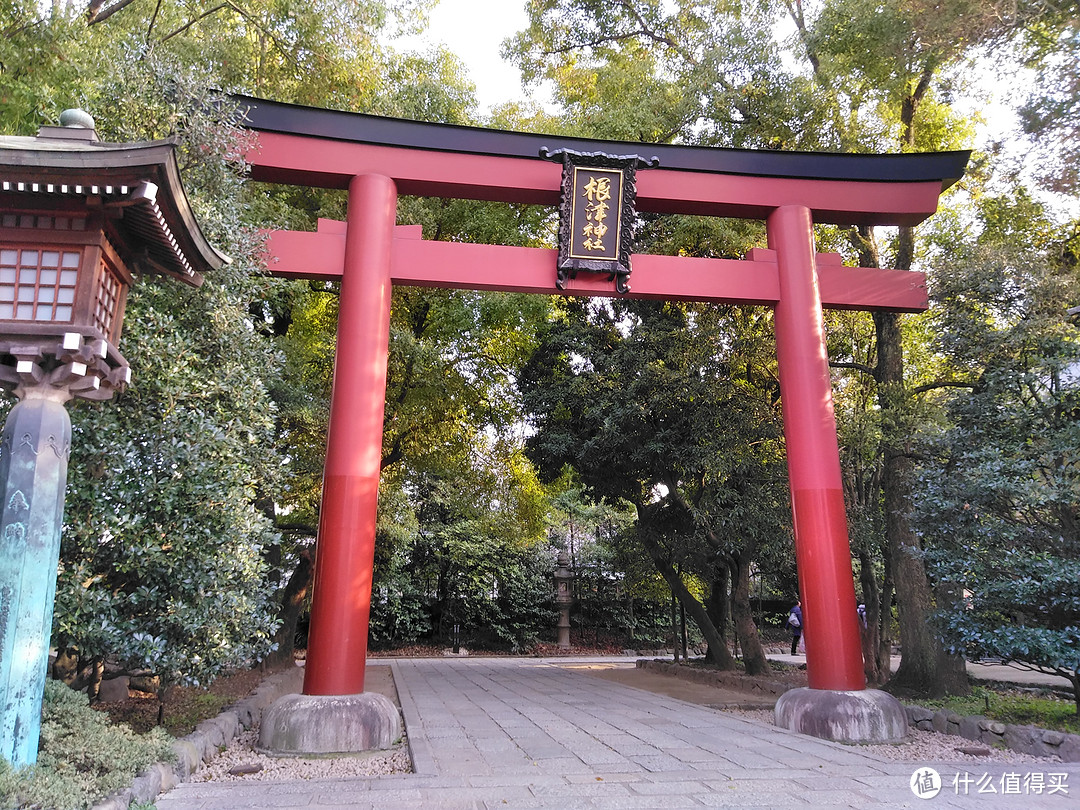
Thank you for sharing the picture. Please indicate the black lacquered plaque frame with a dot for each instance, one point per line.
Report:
(614, 258)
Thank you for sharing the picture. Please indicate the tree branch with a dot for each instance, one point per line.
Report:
(865, 369)
(591, 43)
(153, 19)
(95, 11)
(795, 12)
(202, 16)
(922, 389)
(655, 37)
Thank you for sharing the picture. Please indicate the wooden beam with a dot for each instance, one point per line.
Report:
(462, 265)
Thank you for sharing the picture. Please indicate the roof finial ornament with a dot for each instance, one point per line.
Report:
(77, 119)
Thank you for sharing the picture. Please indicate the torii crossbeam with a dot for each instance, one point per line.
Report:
(378, 158)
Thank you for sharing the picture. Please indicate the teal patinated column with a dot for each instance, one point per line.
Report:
(34, 452)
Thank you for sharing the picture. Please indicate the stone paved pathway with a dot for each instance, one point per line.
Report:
(527, 733)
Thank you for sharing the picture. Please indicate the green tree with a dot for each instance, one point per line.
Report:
(168, 545)
(464, 548)
(895, 69)
(164, 552)
(851, 78)
(650, 405)
(610, 594)
(998, 498)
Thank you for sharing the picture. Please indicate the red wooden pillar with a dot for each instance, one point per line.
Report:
(341, 598)
(833, 648)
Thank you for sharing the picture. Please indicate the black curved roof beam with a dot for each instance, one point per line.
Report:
(325, 148)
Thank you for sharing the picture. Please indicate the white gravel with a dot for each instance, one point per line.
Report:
(241, 752)
(923, 746)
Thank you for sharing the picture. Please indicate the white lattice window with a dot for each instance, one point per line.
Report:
(38, 284)
(108, 294)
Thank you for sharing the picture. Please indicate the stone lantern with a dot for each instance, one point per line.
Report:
(564, 597)
(79, 219)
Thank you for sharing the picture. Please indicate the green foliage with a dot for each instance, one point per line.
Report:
(163, 558)
(464, 550)
(671, 408)
(41, 71)
(998, 509)
(617, 595)
(83, 758)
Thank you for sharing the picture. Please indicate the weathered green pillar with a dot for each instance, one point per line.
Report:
(34, 450)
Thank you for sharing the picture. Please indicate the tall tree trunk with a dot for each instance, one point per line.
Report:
(674, 626)
(292, 600)
(884, 648)
(918, 662)
(697, 611)
(921, 660)
(717, 602)
(871, 633)
(745, 629)
(924, 666)
(921, 652)
(952, 668)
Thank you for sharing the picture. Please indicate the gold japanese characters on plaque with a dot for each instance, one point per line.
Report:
(596, 214)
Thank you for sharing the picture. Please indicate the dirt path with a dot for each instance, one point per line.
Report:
(703, 695)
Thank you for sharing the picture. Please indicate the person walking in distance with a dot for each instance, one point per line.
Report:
(795, 625)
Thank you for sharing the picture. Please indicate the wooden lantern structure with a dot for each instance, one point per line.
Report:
(79, 219)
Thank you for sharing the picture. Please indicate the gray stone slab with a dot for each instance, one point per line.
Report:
(541, 747)
(601, 776)
(242, 799)
(535, 803)
(755, 786)
(499, 733)
(751, 760)
(658, 763)
(778, 801)
(565, 765)
(586, 790)
(682, 787)
(642, 802)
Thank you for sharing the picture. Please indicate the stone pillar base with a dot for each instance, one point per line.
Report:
(329, 725)
(863, 716)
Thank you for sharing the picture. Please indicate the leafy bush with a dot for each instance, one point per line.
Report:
(82, 757)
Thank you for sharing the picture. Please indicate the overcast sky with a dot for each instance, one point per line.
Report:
(474, 30)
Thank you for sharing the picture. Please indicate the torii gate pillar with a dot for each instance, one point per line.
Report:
(335, 715)
(338, 638)
(817, 496)
(836, 706)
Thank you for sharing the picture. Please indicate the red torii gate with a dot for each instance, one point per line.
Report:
(378, 158)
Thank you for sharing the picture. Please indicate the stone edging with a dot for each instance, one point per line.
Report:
(1023, 739)
(423, 762)
(203, 743)
(1032, 740)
